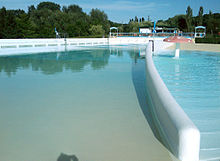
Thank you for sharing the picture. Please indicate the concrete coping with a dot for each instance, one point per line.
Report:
(177, 131)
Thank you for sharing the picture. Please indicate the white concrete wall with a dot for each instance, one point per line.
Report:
(18, 46)
(128, 40)
(159, 45)
(177, 131)
(52, 42)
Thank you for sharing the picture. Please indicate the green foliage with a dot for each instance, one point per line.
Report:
(178, 21)
(72, 8)
(134, 26)
(40, 22)
(96, 30)
(200, 16)
(186, 23)
(162, 23)
(10, 29)
(211, 39)
(136, 19)
(99, 17)
(48, 5)
(189, 19)
(3, 20)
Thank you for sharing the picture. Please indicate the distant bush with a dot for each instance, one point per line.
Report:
(215, 39)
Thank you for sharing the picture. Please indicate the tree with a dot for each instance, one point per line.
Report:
(2, 22)
(140, 20)
(10, 30)
(210, 24)
(72, 8)
(40, 21)
(148, 18)
(189, 19)
(181, 23)
(23, 26)
(31, 9)
(48, 5)
(200, 16)
(133, 26)
(136, 19)
(98, 17)
(96, 30)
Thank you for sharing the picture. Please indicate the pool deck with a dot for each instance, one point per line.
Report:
(198, 47)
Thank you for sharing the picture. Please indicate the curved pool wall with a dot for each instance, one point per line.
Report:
(176, 131)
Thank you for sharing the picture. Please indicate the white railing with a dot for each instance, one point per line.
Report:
(137, 34)
(177, 132)
(21, 43)
(24, 46)
(159, 34)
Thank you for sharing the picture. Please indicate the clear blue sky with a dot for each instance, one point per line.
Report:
(123, 10)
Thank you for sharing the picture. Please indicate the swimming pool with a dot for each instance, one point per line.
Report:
(81, 102)
(194, 81)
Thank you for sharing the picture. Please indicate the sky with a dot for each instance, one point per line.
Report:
(123, 10)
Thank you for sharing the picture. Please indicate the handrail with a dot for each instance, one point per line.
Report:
(176, 130)
(160, 34)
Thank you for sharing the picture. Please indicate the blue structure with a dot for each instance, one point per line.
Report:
(154, 30)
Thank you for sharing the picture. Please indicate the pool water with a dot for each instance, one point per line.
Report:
(194, 81)
(80, 102)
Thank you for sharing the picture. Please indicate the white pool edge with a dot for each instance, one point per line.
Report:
(177, 131)
(31, 46)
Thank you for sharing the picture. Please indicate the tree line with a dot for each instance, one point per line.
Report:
(71, 21)
(185, 22)
(41, 21)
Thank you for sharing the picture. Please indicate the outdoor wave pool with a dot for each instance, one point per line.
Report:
(84, 102)
(194, 81)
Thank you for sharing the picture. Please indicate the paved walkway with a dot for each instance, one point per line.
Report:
(199, 47)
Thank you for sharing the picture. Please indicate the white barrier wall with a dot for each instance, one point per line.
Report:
(18, 43)
(18, 46)
(158, 42)
(177, 131)
(128, 40)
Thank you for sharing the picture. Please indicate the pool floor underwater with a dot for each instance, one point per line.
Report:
(77, 102)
